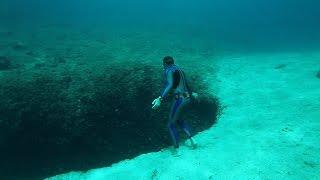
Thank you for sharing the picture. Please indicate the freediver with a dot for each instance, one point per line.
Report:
(175, 82)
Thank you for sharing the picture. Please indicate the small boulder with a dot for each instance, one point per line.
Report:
(30, 53)
(56, 61)
(280, 66)
(19, 46)
(5, 63)
(318, 74)
(39, 65)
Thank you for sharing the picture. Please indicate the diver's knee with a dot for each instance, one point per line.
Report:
(170, 125)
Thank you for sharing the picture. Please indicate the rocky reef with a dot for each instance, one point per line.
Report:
(52, 124)
(5, 63)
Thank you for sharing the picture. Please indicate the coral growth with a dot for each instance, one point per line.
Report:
(5, 63)
(62, 123)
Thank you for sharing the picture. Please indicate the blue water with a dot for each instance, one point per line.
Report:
(246, 24)
(77, 76)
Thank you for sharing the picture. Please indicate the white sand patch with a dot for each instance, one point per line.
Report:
(270, 128)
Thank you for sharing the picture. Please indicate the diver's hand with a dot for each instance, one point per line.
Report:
(195, 96)
(156, 103)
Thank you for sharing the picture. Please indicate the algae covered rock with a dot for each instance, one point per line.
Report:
(64, 122)
(19, 46)
(5, 63)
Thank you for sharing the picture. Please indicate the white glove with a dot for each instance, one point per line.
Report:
(195, 95)
(156, 103)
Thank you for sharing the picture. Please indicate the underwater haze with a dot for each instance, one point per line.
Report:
(77, 78)
(260, 25)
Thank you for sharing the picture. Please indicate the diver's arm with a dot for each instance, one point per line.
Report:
(157, 102)
(168, 86)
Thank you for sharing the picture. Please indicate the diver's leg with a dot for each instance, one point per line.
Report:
(172, 120)
(186, 128)
(184, 125)
(174, 134)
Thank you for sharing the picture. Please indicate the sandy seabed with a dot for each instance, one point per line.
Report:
(269, 128)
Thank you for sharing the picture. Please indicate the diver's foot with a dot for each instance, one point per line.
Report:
(175, 152)
(193, 143)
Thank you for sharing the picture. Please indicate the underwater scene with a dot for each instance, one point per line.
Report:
(159, 89)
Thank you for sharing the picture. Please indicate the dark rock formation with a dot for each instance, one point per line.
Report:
(39, 65)
(52, 124)
(19, 46)
(280, 66)
(318, 74)
(56, 61)
(30, 53)
(5, 63)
